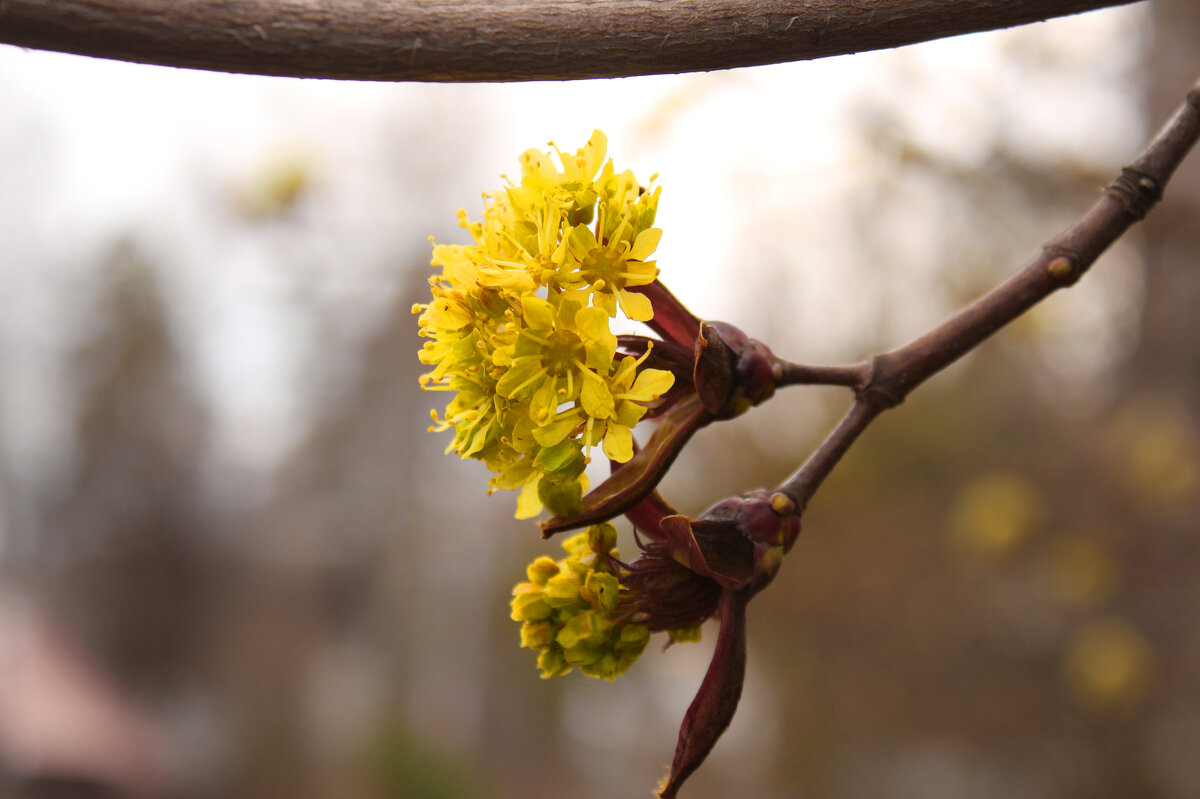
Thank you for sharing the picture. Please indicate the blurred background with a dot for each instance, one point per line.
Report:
(233, 563)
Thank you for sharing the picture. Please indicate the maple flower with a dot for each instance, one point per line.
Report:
(518, 328)
(632, 391)
(717, 372)
(571, 610)
(594, 611)
(611, 268)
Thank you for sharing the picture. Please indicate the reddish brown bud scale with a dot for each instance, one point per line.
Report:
(711, 711)
(730, 373)
(689, 569)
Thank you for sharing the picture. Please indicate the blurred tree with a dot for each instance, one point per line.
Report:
(1168, 351)
(118, 547)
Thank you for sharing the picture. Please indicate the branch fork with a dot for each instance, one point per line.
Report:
(734, 548)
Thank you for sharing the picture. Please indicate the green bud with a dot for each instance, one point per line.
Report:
(633, 637)
(530, 606)
(602, 538)
(605, 668)
(582, 655)
(574, 631)
(553, 664)
(563, 589)
(541, 570)
(582, 564)
(537, 634)
(562, 497)
(590, 628)
(685, 635)
(602, 590)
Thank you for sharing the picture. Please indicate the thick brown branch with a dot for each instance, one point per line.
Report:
(497, 40)
(1062, 261)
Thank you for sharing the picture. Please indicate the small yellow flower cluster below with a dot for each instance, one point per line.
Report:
(570, 610)
(518, 327)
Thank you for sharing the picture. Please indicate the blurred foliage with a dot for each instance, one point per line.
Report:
(403, 767)
(1082, 569)
(1108, 664)
(995, 513)
(280, 184)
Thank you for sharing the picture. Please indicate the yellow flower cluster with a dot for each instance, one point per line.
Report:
(519, 325)
(569, 610)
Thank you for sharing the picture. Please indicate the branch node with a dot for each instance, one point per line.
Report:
(1136, 191)
(880, 389)
(1065, 267)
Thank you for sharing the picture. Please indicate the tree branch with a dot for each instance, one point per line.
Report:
(497, 40)
(798, 374)
(1062, 261)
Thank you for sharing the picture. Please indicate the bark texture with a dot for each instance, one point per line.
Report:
(498, 40)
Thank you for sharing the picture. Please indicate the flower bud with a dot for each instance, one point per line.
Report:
(541, 570)
(531, 606)
(572, 610)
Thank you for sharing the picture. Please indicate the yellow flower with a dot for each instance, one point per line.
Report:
(631, 390)
(612, 267)
(518, 328)
(558, 354)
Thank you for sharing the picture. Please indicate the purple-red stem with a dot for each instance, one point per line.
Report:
(888, 378)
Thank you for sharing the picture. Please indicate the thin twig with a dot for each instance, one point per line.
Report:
(1062, 261)
(497, 40)
(801, 485)
(800, 374)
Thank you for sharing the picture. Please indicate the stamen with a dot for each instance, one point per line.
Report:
(538, 376)
(583, 368)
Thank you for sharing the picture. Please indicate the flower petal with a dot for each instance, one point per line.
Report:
(645, 244)
(548, 435)
(528, 504)
(544, 402)
(636, 306)
(538, 313)
(618, 443)
(448, 314)
(599, 342)
(651, 384)
(596, 399)
(581, 241)
(518, 375)
(593, 152)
